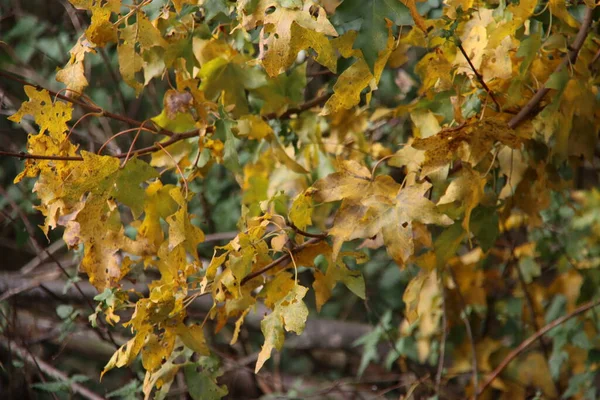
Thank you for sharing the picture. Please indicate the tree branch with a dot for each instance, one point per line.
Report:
(49, 370)
(530, 305)
(318, 334)
(570, 59)
(140, 152)
(306, 234)
(90, 107)
(533, 338)
(479, 77)
(280, 260)
(302, 107)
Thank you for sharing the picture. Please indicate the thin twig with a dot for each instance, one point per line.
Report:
(35, 282)
(479, 77)
(280, 260)
(215, 237)
(86, 106)
(140, 152)
(596, 58)
(570, 59)
(533, 338)
(114, 77)
(377, 165)
(306, 234)
(302, 107)
(49, 370)
(536, 326)
(22, 155)
(440, 369)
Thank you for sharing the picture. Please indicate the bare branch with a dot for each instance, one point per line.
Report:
(49, 370)
(479, 77)
(280, 260)
(570, 59)
(89, 107)
(533, 338)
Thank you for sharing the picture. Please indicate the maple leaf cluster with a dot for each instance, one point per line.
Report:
(283, 94)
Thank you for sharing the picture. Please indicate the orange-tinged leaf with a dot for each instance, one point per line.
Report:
(277, 288)
(349, 85)
(254, 127)
(469, 143)
(101, 31)
(278, 242)
(322, 289)
(559, 9)
(337, 271)
(352, 182)
(411, 296)
(414, 13)
(181, 228)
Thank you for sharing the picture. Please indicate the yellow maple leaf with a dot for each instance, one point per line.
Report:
(101, 31)
(50, 116)
(468, 188)
(291, 30)
(72, 74)
(350, 84)
(469, 143)
(290, 313)
(371, 206)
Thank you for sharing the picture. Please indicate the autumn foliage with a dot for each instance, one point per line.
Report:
(452, 181)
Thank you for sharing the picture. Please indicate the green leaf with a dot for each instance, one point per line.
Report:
(529, 268)
(447, 243)
(371, 15)
(64, 311)
(52, 387)
(202, 384)
(370, 340)
(212, 8)
(128, 185)
(484, 225)
(230, 78)
(224, 132)
(556, 309)
(128, 391)
(528, 50)
(558, 80)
